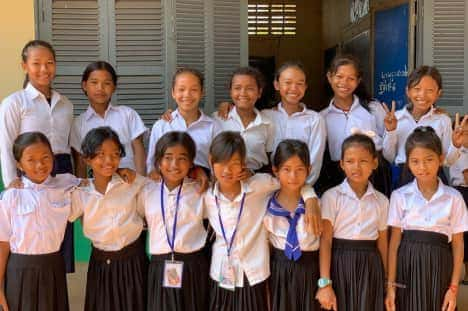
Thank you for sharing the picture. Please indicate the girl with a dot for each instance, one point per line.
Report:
(353, 107)
(428, 219)
(116, 277)
(353, 245)
(235, 209)
(187, 91)
(459, 180)
(423, 90)
(294, 255)
(99, 82)
(291, 118)
(32, 225)
(173, 207)
(40, 108)
(257, 130)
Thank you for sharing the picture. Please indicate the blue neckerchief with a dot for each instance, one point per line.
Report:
(292, 250)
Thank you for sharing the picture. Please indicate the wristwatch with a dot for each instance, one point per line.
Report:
(323, 282)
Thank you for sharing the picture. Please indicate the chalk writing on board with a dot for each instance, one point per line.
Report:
(387, 83)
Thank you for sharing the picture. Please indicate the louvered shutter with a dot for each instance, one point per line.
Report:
(138, 55)
(227, 45)
(445, 45)
(74, 33)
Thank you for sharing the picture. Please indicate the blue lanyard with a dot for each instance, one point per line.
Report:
(171, 243)
(229, 243)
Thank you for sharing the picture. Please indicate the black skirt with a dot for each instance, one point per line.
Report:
(63, 165)
(195, 284)
(247, 298)
(117, 280)
(358, 275)
(424, 266)
(293, 284)
(36, 283)
(464, 192)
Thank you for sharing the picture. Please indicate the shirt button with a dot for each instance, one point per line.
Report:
(108, 261)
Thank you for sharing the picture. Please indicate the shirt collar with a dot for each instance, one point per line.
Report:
(90, 112)
(281, 109)
(115, 181)
(28, 183)
(346, 189)
(413, 188)
(259, 118)
(356, 104)
(245, 188)
(203, 117)
(34, 93)
(407, 114)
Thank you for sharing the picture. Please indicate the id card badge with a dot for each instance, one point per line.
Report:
(227, 278)
(173, 274)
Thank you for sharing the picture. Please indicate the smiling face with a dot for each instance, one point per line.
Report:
(187, 92)
(291, 85)
(40, 67)
(37, 162)
(175, 165)
(245, 91)
(99, 87)
(424, 163)
(358, 164)
(226, 172)
(424, 94)
(292, 174)
(344, 81)
(106, 160)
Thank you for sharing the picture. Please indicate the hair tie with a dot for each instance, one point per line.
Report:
(355, 130)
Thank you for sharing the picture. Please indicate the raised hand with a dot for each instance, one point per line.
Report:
(390, 120)
(460, 130)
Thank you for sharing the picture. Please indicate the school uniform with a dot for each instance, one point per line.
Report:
(307, 126)
(122, 119)
(340, 125)
(394, 141)
(28, 110)
(247, 254)
(357, 270)
(116, 278)
(258, 136)
(33, 221)
(458, 182)
(425, 261)
(202, 132)
(176, 233)
(294, 259)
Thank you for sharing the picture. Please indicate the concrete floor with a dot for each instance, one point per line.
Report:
(77, 283)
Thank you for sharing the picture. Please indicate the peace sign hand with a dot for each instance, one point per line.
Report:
(459, 131)
(390, 120)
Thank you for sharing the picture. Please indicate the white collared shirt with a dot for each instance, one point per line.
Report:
(250, 252)
(111, 220)
(278, 227)
(456, 169)
(340, 123)
(122, 119)
(444, 213)
(307, 126)
(33, 219)
(394, 141)
(28, 110)
(355, 218)
(190, 232)
(258, 136)
(202, 132)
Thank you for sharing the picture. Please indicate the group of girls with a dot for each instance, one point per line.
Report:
(246, 209)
